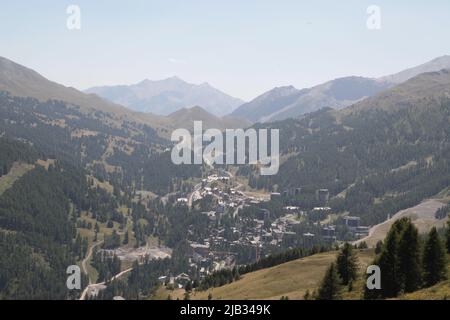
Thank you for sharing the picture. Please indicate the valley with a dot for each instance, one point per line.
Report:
(88, 182)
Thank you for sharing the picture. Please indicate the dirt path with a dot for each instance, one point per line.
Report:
(84, 268)
(85, 260)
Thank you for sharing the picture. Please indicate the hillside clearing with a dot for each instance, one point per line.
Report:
(18, 169)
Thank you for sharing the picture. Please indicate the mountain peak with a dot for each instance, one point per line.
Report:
(175, 79)
(165, 96)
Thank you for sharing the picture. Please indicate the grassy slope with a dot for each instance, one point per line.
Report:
(290, 279)
(422, 215)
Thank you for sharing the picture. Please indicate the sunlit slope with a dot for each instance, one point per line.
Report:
(290, 279)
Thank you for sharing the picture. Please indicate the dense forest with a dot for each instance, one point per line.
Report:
(127, 154)
(382, 161)
(37, 229)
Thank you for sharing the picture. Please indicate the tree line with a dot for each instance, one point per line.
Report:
(407, 263)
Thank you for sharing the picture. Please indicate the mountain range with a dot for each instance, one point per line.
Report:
(289, 102)
(166, 96)
(151, 101)
(21, 81)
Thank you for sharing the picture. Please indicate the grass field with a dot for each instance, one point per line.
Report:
(294, 278)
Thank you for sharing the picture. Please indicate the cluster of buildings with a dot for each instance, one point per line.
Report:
(221, 247)
(354, 226)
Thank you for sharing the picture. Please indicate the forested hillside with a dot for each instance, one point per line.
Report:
(37, 226)
(127, 153)
(377, 159)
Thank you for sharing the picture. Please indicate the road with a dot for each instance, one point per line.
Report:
(84, 267)
(88, 257)
(100, 285)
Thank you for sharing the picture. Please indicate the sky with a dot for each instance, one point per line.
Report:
(243, 48)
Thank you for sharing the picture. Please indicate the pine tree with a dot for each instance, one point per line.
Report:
(126, 238)
(390, 282)
(329, 288)
(379, 247)
(409, 259)
(346, 264)
(434, 263)
(447, 235)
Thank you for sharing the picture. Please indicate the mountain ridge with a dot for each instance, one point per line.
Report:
(21, 81)
(338, 94)
(165, 96)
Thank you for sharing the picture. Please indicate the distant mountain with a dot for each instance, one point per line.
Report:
(24, 82)
(167, 96)
(433, 65)
(21, 81)
(268, 103)
(288, 102)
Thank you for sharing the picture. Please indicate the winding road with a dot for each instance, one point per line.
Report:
(84, 267)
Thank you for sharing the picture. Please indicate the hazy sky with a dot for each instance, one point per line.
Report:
(241, 47)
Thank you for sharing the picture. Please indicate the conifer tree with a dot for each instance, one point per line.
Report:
(409, 259)
(447, 235)
(390, 280)
(126, 238)
(329, 288)
(346, 264)
(434, 263)
(378, 247)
